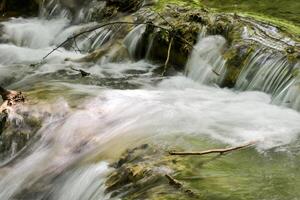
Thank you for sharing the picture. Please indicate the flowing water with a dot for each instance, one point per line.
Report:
(125, 104)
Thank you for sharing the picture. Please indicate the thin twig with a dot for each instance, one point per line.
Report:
(168, 57)
(215, 72)
(76, 46)
(212, 151)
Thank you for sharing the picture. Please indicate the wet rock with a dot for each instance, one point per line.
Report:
(3, 119)
(243, 37)
(235, 57)
(17, 132)
(141, 172)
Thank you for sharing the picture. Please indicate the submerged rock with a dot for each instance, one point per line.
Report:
(3, 119)
(17, 131)
(143, 173)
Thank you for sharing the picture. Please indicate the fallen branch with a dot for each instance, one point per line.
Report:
(176, 184)
(113, 23)
(212, 151)
(83, 73)
(173, 181)
(168, 57)
(216, 73)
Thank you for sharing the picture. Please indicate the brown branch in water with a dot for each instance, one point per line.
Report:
(173, 181)
(215, 72)
(113, 23)
(82, 72)
(212, 151)
(176, 184)
(168, 57)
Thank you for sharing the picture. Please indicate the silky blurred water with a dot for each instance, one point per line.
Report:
(125, 104)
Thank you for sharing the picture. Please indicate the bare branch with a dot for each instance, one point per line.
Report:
(82, 72)
(113, 23)
(168, 57)
(176, 184)
(212, 151)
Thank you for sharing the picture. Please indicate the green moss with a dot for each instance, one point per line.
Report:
(289, 25)
(161, 4)
(282, 24)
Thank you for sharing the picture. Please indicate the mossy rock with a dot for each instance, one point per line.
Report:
(141, 172)
(17, 133)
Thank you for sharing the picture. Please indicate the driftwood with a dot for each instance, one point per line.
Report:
(213, 151)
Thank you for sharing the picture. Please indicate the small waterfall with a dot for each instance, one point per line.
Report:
(265, 72)
(206, 64)
(133, 40)
(76, 10)
(273, 74)
(54, 9)
(95, 39)
(289, 95)
(32, 33)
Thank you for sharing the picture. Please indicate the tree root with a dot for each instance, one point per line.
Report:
(212, 151)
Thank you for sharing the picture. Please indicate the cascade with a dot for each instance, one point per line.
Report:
(133, 41)
(81, 125)
(263, 70)
(206, 64)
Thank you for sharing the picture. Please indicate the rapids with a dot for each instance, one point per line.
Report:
(122, 105)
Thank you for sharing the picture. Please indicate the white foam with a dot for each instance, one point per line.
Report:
(33, 33)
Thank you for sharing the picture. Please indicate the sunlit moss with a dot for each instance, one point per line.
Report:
(286, 23)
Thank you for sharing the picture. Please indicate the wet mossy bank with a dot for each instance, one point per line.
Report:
(175, 29)
(244, 37)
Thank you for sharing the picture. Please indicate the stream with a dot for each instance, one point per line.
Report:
(92, 120)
